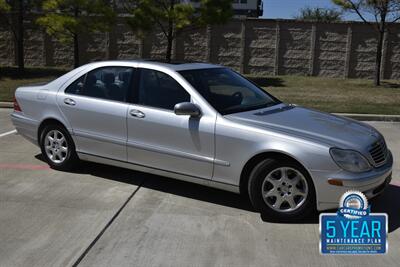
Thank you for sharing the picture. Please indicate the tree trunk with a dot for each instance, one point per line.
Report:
(76, 51)
(170, 38)
(378, 59)
(169, 49)
(170, 33)
(20, 36)
(76, 41)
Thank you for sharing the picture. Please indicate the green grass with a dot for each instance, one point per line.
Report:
(327, 94)
(335, 95)
(10, 79)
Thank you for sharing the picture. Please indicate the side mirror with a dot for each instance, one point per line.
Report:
(187, 108)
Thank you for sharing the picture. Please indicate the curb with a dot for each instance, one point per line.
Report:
(6, 104)
(359, 117)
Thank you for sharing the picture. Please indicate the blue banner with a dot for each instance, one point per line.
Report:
(365, 235)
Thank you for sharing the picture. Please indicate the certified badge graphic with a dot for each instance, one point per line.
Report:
(353, 205)
(353, 229)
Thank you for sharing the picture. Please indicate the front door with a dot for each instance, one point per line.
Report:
(160, 139)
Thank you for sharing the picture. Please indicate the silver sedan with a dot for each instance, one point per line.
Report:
(204, 124)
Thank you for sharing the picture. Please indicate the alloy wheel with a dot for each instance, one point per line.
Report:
(284, 189)
(56, 146)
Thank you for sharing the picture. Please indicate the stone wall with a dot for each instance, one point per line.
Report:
(252, 46)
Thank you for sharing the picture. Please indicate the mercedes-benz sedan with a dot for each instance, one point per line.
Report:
(205, 124)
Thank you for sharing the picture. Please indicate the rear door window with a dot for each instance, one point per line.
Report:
(111, 83)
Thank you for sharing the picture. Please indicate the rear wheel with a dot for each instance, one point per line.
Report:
(281, 190)
(58, 148)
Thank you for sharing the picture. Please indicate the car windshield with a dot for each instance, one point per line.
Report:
(227, 91)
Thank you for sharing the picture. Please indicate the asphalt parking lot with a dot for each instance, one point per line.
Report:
(106, 216)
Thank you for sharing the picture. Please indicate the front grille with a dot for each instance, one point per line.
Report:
(378, 152)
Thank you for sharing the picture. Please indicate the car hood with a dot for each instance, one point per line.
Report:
(323, 127)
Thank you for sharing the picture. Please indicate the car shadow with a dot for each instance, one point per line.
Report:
(384, 203)
(388, 202)
(163, 184)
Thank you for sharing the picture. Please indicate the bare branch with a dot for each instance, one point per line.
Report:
(395, 20)
(357, 10)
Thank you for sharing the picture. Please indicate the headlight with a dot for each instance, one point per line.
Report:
(350, 160)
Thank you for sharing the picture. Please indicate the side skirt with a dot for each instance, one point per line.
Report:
(173, 175)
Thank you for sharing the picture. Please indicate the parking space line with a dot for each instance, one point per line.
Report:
(107, 225)
(8, 133)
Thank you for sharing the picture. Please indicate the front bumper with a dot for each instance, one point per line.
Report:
(371, 183)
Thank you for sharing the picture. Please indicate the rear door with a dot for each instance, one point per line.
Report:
(159, 138)
(95, 105)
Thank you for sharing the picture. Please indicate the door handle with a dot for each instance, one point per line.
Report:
(69, 101)
(136, 113)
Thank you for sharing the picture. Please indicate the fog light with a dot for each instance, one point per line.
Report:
(336, 182)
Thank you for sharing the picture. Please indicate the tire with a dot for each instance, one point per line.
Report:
(287, 198)
(59, 154)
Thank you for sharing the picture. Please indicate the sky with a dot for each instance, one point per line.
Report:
(286, 9)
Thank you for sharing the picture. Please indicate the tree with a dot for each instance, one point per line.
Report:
(12, 13)
(173, 17)
(319, 14)
(66, 20)
(384, 12)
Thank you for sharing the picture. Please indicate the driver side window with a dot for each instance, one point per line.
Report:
(159, 90)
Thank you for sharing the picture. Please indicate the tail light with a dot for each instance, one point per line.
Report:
(16, 105)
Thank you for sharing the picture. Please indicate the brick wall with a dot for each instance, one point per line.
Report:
(252, 46)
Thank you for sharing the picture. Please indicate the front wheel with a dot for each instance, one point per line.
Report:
(58, 148)
(281, 190)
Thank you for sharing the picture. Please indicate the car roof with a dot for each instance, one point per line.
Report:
(144, 63)
(173, 65)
